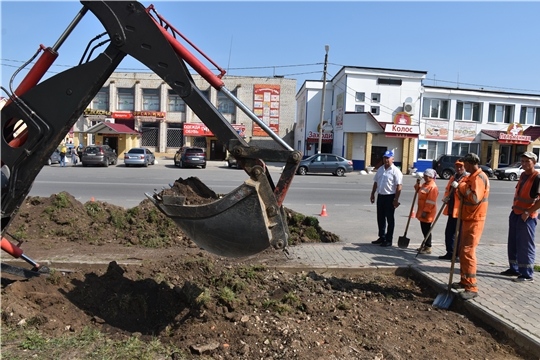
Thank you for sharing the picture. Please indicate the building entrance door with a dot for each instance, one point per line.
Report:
(217, 150)
(112, 142)
(377, 153)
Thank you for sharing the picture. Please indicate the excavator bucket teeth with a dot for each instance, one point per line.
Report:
(237, 225)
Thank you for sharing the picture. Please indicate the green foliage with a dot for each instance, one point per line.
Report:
(537, 268)
(93, 208)
(118, 220)
(33, 340)
(298, 218)
(311, 221)
(203, 263)
(227, 295)
(204, 297)
(250, 272)
(312, 233)
(290, 299)
(54, 277)
(152, 216)
(61, 201)
(20, 233)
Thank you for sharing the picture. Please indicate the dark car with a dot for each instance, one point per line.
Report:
(325, 163)
(55, 158)
(139, 156)
(190, 157)
(231, 162)
(99, 155)
(444, 166)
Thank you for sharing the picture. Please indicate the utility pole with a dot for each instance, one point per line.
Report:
(326, 48)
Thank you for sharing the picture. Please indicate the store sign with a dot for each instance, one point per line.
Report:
(199, 129)
(402, 118)
(97, 112)
(402, 131)
(313, 136)
(514, 135)
(122, 115)
(155, 114)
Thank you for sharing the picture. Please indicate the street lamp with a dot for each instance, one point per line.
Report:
(326, 48)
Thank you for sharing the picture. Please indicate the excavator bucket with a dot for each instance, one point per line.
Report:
(242, 223)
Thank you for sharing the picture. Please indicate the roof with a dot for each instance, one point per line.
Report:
(111, 128)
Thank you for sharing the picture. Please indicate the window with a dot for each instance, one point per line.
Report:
(150, 99)
(206, 94)
(435, 149)
(468, 111)
(126, 99)
(529, 116)
(176, 103)
(225, 105)
(389, 81)
(360, 96)
(359, 108)
(375, 97)
(375, 110)
(500, 113)
(462, 149)
(435, 109)
(101, 101)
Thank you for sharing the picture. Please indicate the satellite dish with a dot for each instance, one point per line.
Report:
(422, 90)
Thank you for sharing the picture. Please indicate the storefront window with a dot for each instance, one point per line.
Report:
(101, 100)
(462, 149)
(126, 99)
(150, 98)
(176, 103)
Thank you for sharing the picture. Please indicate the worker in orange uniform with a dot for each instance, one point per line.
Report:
(428, 193)
(473, 191)
(451, 199)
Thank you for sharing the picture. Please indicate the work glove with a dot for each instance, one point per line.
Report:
(454, 184)
(424, 214)
(446, 199)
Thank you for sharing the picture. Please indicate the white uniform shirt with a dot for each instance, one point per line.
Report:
(388, 179)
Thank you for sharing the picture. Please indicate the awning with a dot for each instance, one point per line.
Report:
(110, 128)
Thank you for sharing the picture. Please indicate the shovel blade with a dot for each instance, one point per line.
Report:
(443, 300)
(403, 242)
(237, 225)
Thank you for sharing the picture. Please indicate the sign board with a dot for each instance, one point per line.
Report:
(514, 135)
(199, 129)
(313, 136)
(122, 115)
(402, 131)
(266, 103)
(402, 118)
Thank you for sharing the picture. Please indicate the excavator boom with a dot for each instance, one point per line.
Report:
(49, 109)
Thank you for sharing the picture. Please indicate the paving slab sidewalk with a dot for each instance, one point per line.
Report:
(511, 307)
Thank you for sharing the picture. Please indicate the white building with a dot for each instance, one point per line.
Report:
(370, 110)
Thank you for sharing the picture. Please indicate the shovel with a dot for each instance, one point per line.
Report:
(403, 241)
(444, 299)
(431, 229)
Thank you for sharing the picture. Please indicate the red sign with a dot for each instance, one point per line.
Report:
(122, 115)
(514, 135)
(199, 129)
(266, 99)
(157, 114)
(313, 136)
(402, 118)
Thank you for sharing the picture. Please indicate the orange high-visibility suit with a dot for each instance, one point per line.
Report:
(474, 191)
(427, 201)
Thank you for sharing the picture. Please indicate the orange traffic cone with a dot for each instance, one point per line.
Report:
(413, 215)
(323, 212)
(92, 199)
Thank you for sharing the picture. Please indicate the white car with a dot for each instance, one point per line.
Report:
(511, 172)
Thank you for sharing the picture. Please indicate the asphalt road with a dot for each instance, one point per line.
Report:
(350, 213)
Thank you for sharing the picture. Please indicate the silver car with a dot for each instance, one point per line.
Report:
(139, 156)
(325, 163)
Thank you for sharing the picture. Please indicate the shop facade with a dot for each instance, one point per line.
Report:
(371, 110)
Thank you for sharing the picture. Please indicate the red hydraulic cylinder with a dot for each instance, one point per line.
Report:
(11, 249)
(38, 70)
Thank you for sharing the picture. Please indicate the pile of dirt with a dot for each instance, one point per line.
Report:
(198, 305)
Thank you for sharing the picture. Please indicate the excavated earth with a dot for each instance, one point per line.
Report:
(213, 307)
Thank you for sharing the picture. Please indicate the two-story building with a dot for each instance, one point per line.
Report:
(140, 109)
(370, 110)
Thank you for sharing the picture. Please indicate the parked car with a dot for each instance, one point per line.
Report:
(325, 163)
(444, 166)
(512, 172)
(99, 155)
(55, 158)
(190, 157)
(139, 156)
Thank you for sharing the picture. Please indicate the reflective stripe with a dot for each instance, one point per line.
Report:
(474, 204)
(469, 276)
(431, 202)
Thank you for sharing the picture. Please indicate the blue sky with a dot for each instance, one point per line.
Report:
(494, 45)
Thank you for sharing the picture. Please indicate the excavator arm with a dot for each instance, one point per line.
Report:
(49, 109)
